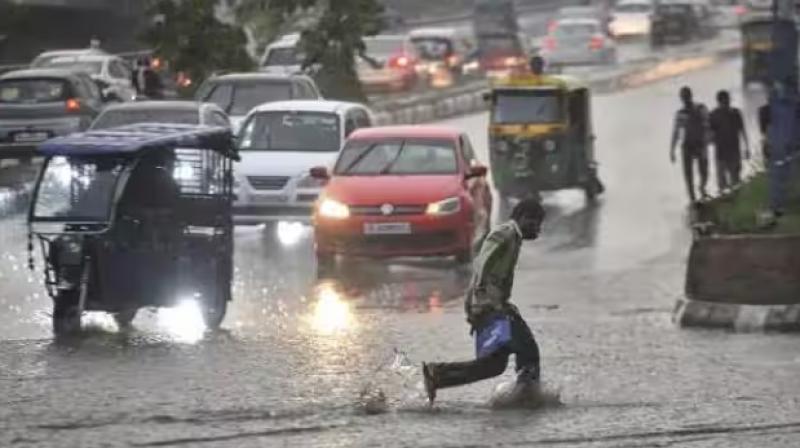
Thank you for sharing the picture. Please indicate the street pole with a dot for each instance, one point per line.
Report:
(783, 71)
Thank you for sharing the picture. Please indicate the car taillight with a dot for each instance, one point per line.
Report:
(452, 61)
(550, 43)
(740, 10)
(597, 42)
(73, 105)
(400, 62)
(552, 25)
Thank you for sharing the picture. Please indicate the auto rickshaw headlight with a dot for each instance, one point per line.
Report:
(502, 146)
(550, 145)
(333, 209)
(448, 206)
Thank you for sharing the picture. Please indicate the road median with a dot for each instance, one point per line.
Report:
(468, 98)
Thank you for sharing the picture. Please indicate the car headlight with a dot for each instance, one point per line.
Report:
(448, 206)
(333, 209)
(550, 145)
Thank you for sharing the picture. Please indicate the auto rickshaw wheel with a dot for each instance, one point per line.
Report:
(66, 313)
(216, 306)
(125, 318)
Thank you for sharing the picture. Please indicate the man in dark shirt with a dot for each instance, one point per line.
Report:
(690, 128)
(728, 130)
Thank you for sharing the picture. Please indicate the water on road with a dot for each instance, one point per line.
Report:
(598, 289)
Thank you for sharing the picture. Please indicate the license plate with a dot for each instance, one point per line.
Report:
(270, 199)
(31, 137)
(387, 228)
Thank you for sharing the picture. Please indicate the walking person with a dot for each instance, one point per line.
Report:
(691, 129)
(498, 328)
(728, 131)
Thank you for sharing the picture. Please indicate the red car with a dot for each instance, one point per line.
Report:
(404, 191)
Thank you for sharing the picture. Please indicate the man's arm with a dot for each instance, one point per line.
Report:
(676, 130)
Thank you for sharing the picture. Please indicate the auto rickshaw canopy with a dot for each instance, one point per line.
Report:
(139, 138)
(531, 81)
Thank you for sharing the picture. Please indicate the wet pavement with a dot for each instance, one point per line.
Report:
(598, 290)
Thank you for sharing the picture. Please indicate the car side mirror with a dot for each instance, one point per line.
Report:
(477, 171)
(320, 173)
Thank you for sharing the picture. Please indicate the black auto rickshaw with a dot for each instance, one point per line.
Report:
(756, 48)
(541, 137)
(133, 217)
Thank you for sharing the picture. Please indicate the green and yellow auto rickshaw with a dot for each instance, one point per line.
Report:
(540, 136)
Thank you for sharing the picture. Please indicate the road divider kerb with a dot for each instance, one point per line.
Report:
(468, 99)
(736, 317)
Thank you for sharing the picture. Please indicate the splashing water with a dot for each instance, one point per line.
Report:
(513, 395)
(396, 383)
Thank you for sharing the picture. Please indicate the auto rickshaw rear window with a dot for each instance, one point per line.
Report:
(526, 107)
(34, 90)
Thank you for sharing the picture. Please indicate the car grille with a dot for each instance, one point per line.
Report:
(307, 197)
(375, 210)
(405, 243)
(268, 182)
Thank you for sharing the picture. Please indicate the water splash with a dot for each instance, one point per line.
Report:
(513, 395)
(394, 384)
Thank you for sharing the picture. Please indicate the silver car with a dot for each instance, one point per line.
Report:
(172, 112)
(578, 42)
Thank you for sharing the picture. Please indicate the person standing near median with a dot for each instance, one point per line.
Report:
(691, 129)
(728, 131)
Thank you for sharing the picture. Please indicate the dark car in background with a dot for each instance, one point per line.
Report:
(238, 93)
(389, 64)
(171, 112)
(680, 21)
(39, 104)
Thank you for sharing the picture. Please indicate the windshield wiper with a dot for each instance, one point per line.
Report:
(360, 158)
(389, 165)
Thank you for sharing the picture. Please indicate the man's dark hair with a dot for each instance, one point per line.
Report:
(537, 65)
(686, 91)
(528, 208)
(723, 96)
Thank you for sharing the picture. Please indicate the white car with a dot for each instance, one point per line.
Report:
(632, 18)
(112, 72)
(279, 143)
(283, 56)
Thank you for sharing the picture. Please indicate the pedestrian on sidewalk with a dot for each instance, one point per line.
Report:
(498, 328)
(691, 129)
(728, 131)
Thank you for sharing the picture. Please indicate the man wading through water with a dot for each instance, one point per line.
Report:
(692, 129)
(498, 328)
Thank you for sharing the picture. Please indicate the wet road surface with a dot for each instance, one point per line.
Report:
(598, 290)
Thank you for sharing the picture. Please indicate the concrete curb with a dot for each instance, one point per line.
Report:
(738, 318)
(469, 99)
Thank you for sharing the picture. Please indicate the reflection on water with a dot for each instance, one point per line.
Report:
(330, 312)
(183, 322)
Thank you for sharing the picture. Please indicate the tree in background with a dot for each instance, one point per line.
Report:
(189, 35)
(332, 39)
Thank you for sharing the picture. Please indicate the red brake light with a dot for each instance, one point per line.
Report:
(73, 105)
(552, 25)
(550, 43)
(740, 10)
(597, 43)
(452, 61)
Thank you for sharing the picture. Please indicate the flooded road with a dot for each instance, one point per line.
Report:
(597, 289)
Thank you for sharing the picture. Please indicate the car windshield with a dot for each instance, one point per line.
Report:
(78, 189)
(291, 131)
(397, 157)
(384, 46)
(499, 44)
(527, 107)
(121, 117)
(575, 31)
(279, 57)
(633, 8)
(89, 67)
(433, 48)
(674, 9)
(33, 91)
(239, 98)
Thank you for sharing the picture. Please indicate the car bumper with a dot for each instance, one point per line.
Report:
(627, 29)
(588, 58)
(429, 236)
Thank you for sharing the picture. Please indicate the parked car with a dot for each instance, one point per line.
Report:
(413, 191)
(238, 93)
(578, 42)
(283, 55)
(632, 18)
(389, 64)
(172, 112)
(38, 104)
(278, 144)
(43, 58)
(112, 73)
